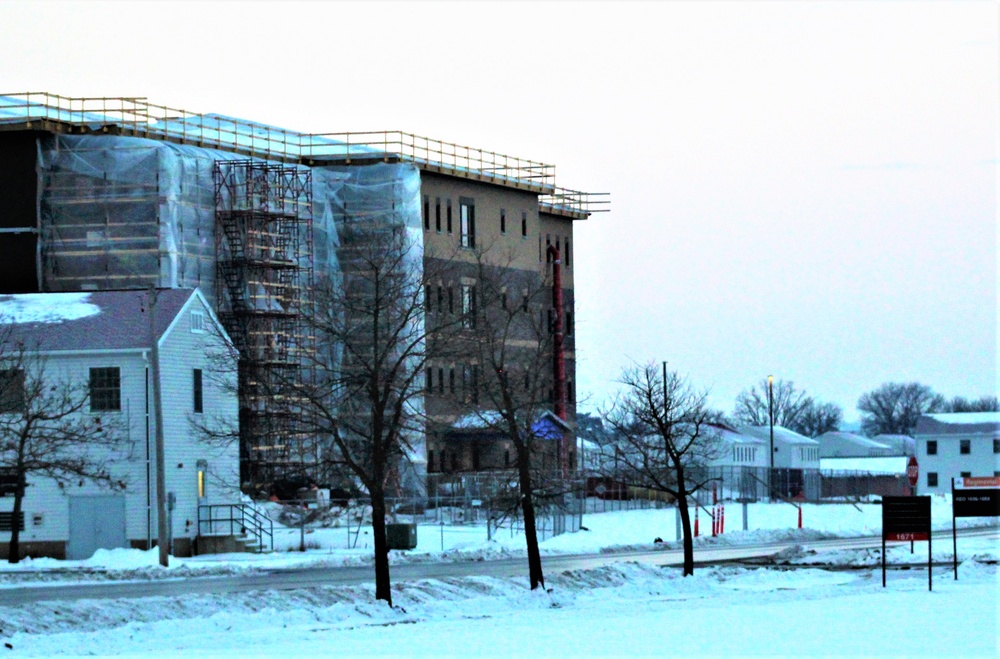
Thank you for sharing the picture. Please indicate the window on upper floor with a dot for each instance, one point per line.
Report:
(467, 218)
(428, 296)
(427, 213)
(197, 321)
(931, 447)
(12, 391)
(105, 389)
(503, 221)
(448, 216)
(524, 224)
(966, 474)
(965, 446)
(437, 214)
(932, 479)
(468, 305)
(569, 323)
(566, 257)
(996, 445)
(197, 391)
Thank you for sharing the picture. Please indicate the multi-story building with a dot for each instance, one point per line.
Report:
(954, 446)
(120, 193)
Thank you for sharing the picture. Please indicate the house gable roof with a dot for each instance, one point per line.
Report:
(92, 320)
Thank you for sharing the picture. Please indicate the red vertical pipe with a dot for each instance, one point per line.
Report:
(558, 355)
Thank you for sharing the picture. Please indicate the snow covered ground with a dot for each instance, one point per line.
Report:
(623, 609)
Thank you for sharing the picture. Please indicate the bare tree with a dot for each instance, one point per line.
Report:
(510, 330)
(372, 345)
(659, 437)
(895, 407)
(981, 404)
(45, 429)
(787, 403)
(817, 418)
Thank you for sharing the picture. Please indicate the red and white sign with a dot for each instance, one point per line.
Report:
(908, 536)
(912, 470)
(977, 482)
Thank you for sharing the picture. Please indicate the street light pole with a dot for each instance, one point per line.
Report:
(770, 418)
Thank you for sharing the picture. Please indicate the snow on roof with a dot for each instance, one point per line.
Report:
(781, 434)
(45, 307)
(965, 418)
(852, 438)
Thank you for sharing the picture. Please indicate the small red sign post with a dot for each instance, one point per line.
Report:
(912, 471)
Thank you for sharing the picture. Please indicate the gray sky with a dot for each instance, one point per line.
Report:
(802, 189)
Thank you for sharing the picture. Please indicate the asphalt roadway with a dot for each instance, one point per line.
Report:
(312, 577)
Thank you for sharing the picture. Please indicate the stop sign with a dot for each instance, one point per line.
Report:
(912, 471)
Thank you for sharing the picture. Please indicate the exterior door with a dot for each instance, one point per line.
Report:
(95, 522)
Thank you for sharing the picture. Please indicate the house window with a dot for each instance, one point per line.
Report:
(12, 395)
(524, 224)
(467, 213)
(966, 474)
(437, 214)
(964, 446)
(468, 306)
(566, 256)
(932, 480)
(931, 447)
(105, 389)
(197, 321)
(451, 381)
(429, 380)
(449, 216)
(197, 389)
(996, 445)
(503, 221)
(427, 213)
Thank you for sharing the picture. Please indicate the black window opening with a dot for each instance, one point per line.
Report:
(965, 446)
(524, 304)
(966, 474)
(451, 299)
(430, 461)
(524, 224)
(996, 445)
(448, 214)
(7, 521)
(932, 479)
(428, 296)
(931, 447)
(503, 221)
(441, 381)
(467, 217)
(105, 389)
(566, 256)
(451, 381)
(197, 391)
(437, 214)
(569, 323)
(503, 301)
(427, 213)
(12, 391)
(440, 298)
(429, 380)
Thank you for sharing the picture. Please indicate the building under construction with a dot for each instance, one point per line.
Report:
(117, 193)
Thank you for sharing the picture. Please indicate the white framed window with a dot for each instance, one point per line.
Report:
(197, 321)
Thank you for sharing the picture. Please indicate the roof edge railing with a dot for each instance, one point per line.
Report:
(138, 117)
(575, 203)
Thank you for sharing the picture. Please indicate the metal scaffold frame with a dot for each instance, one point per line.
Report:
(265, 277)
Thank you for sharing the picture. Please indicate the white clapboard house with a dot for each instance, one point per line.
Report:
(104, 339)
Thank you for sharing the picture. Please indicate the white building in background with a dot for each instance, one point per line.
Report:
(899, 444)
(836, 444)
(737, 449)
(791, 450)
(954, 445)
(104, 338)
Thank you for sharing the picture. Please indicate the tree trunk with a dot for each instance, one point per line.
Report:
(14, 553)
(383, 589)
(530, 534)
(682, 509)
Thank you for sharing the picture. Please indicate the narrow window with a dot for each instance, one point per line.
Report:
(197, 321)
(524, 304)
(441, 380)
(430, 461)
(12, 391)
(932, 480)
(468, 306)
(540, 257)
(527, 381)
(550, 323)
(569, 391)
(566, 256)
(524, 224)
(428, 296)
(965, 447)
(503, 221)
(966, 474)
(468, 219)
(548, 243)
(931, 447)
(451, 381)
(506, 458)
(437, 214)
(454, 461)
(451, 299)
(503, 300)
(996, 445)
(475, 384)
(440, 298)
(429, 380)
(105, 389)
(198, 406)
(427, 213)
(569, 323)
(448, 210)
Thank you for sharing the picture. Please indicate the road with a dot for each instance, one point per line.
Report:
(311, 577)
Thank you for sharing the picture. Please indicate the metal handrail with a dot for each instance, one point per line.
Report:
(251, 522)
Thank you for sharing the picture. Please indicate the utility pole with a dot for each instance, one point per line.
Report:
(770, 418)
(162, 534)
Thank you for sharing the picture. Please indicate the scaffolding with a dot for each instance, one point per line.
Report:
(264, 276)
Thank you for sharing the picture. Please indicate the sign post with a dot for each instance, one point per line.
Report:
(912, 473)
(907, 518)
(972, 497)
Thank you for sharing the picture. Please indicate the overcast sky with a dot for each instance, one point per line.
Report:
(801, 189)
